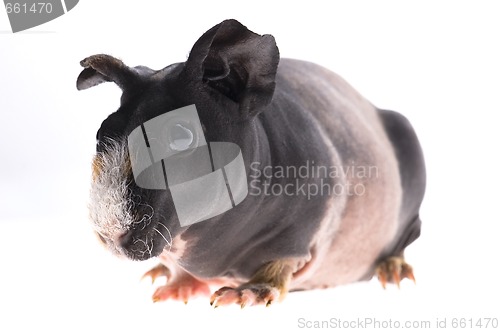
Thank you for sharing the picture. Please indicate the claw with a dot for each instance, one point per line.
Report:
(411, 277)
(157, 272)
(396, 277)
(216, 295)
(382, 278)
(245, 302)
(407, 272)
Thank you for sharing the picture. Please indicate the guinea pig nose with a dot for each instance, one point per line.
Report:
(124, 239)
(181, 137)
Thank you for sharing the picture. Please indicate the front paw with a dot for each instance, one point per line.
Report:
(246, 295)
(181, 290)
(180, 287)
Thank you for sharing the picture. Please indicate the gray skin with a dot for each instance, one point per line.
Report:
(280, 113)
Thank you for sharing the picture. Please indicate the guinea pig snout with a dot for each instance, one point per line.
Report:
(122, 220)
(120, 244)
(130, 245)
(127, 244)
(134, 244)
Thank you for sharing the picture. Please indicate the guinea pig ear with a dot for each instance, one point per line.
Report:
(238, 63)
(102, 68)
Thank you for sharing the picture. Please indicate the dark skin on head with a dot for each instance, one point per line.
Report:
(280, 113)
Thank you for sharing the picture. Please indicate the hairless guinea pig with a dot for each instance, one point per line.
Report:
(307, 185)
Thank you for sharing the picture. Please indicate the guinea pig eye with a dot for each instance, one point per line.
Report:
(180, 137)
(101, 238)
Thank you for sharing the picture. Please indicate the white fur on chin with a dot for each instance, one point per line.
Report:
(110, 206)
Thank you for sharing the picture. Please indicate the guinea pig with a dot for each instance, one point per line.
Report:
(324, 190)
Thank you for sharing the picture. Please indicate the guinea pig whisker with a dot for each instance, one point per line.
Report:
(169, 234)
(157, 231)
(150, 249)
(146, 218)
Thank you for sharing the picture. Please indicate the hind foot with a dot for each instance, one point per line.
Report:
(394, 269)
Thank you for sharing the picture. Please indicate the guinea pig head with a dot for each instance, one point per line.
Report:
(229, 76)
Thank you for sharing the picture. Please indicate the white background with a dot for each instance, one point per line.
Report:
(435, 62)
